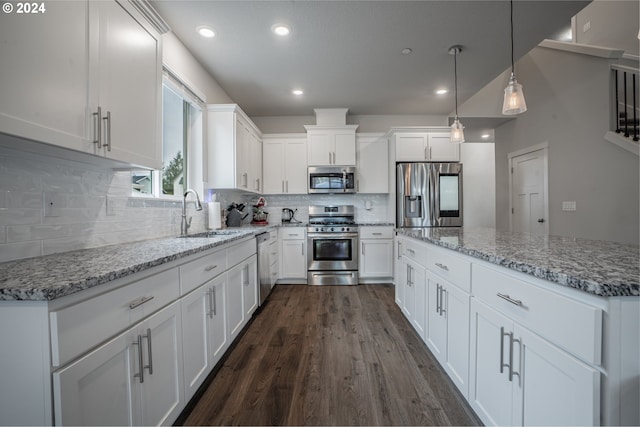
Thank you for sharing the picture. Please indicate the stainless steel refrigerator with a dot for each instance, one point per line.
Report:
(429, 195)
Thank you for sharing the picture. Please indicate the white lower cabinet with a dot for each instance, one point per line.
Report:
(242, 295)
(376, 253)
(204, 334)
(293, 254)
(447, 334)
(134, 379)
(250, 287)
(518, 378)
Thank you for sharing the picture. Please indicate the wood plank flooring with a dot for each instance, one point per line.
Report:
(330, 355)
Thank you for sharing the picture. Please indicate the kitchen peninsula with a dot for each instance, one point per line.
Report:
(531, 329)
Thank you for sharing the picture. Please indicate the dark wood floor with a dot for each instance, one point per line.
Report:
(332, 355)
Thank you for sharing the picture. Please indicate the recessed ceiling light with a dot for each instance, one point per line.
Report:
(442, 91)
(406, 51)
(297, 92)
(281, 29)
(485, 135)
(205, 31)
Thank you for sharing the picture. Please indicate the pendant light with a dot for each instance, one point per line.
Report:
(514, 102)
(457, 133)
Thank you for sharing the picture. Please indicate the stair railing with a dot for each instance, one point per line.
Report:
(625, 90)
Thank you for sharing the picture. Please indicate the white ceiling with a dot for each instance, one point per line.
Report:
(348, 53)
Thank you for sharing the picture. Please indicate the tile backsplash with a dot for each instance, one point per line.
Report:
(83, 192)
(95, 207)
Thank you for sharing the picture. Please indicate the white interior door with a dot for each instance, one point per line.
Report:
(529, 199)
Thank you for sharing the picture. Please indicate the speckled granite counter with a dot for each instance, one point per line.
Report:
(593, 266)
(57, 275)
(376, 224)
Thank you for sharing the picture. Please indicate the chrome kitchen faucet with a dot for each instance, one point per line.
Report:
(186, 223)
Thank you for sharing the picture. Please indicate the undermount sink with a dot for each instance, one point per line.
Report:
(214, 233)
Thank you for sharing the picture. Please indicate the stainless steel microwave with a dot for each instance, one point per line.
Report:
(332, 179)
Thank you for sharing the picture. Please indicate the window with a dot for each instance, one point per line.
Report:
(181, 143)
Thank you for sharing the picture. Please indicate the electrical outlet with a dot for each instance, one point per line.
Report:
(568, 206)
(52, 202)
(110, 206)
(586, 27)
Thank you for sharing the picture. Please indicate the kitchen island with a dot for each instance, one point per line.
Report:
(531, 329)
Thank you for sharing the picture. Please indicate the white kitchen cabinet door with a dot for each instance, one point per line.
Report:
(255, 163)
(250, 283)
(45, 84)
(196, 330)
(419, 286)
(441, 149)
(329, 146)
(456, 363)
(490, 391)
(127, 83)
(373, 165)
(399, 272)
(408, 303)
(162, 393)
(235, 301)
(99, 388)
(376, 258)
(294, 259)
(284, 164)
(436, 334)
(412, 147)
(134, 379)
(553, 388)
(218, 336)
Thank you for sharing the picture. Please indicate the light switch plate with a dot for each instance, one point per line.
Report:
(52, 202)
(569, 206)
(110, 206)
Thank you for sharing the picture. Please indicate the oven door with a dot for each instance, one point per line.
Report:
(332, 251)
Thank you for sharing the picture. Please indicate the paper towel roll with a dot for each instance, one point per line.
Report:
(215, 220)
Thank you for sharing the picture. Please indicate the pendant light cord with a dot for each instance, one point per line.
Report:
(455, 77)
(513, 68)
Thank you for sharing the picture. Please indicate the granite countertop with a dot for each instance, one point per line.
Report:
(376, 224)
(597, 267)
(53, 276)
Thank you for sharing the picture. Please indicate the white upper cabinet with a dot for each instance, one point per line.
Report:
(425, 146)
(329, 145)
(234, 149)
(69, 61)
(373, 163)
(128, 73)
(284, 163)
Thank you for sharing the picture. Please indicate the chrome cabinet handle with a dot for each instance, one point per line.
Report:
(140, 361)
(108, 131)
(287, 181)
(283, 185)
(399, 250)
(302, 248)
(511, 300)
(97, 127)
(502, 364)
(210, 267)
(426, 155)
(411, 251)
(210, 297)
(245, 178)
(377, 234)
(512, 373)
(329, 157)
(442, 266)
(438, 298)
(215, 303)
(140, 301)
(443, 293)
(149, 346)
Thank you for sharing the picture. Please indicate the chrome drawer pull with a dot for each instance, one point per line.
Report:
(148, 337)
(211, 267)
(140, 301)
(511, 300)
(442, 266)
(412, 251)
(140, 361)
(377, 234)
(502, 364)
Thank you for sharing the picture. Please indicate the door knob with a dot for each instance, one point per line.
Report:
(540, 220)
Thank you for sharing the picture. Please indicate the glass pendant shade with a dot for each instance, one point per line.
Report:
(514, 102)
(457, 132)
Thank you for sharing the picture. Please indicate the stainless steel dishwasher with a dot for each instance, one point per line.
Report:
(264, 275)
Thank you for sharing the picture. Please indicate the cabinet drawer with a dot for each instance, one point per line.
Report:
(414, 250)
(241, 251)
(570, 324)
(292, 233)
(201, 270)
(376, 232)
(455, 269)
(79, 327)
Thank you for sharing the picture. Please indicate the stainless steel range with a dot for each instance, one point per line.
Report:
(332, 242)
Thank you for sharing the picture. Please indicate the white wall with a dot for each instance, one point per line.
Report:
(567, 97)
(479, 190)
(612, 24)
